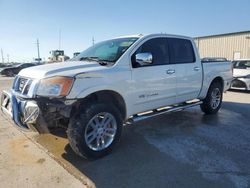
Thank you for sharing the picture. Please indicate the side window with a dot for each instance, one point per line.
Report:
(158, 47)
(182, 50)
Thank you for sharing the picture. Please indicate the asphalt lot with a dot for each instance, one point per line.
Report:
(182, 149)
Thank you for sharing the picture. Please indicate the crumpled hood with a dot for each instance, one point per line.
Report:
(241, 72)
(68, 68)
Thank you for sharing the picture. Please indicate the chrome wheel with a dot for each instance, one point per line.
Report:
(216, 98)
(100, 131)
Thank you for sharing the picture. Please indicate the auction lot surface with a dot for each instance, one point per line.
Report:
(183, 149)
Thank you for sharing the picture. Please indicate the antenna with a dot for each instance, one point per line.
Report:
(38, 51)
(59, 39)
(93, 41)
(2, 55)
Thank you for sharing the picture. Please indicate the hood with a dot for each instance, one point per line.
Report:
(241, 72)
(68, 68)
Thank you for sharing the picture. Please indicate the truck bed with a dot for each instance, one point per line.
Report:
(213, 69)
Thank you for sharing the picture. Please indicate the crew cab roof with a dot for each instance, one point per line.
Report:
(154, 35)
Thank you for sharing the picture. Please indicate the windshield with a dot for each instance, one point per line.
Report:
(241, 64)
(109, 51)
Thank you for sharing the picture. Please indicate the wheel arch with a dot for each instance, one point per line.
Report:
(218, 79)
(207, 84)
(105, 96)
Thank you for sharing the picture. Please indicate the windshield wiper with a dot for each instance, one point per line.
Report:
(96, 59)
(89, 58)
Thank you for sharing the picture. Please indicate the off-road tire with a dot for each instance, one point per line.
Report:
(78, 123)
(206, 106)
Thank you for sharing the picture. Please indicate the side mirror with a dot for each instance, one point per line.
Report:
(144, 58)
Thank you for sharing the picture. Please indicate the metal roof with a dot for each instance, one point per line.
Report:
(225, 34)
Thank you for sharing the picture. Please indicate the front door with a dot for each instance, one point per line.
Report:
(153, 85)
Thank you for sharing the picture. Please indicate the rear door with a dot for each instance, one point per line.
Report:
(154, 85)
(188, 69)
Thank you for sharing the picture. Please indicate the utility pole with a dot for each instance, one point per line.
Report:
(38, 51)
(8, 58)
(93, 41)
(2, 55)
(59, 39)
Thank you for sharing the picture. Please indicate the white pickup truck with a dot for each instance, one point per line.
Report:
(121, 80)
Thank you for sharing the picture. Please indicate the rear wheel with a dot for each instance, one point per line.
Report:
(94, 132)
(212, 102)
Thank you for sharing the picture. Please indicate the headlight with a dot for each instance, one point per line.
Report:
(55, 86)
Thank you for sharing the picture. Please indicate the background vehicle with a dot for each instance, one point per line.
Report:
(121, 80)
(2, 65)
(57, 56)
(241, 74)
(12, 71)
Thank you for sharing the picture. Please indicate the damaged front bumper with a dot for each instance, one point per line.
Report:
(23, 111)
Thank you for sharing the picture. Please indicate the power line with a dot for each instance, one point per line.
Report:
(59, 39)
(2, 55)
(38, 51)
(93, 41)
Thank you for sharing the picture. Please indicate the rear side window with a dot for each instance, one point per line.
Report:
(181, 50)
(158, 47)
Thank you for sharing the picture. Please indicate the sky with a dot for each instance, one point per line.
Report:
(23, 21)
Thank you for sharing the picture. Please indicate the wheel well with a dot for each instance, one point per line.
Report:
(218, 80)
(106, 96)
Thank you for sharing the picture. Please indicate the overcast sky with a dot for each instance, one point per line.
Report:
(22, 21)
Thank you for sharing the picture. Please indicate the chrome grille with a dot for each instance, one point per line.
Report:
(22, 85)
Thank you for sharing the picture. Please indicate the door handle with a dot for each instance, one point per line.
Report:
(170, 71)
(196, 68)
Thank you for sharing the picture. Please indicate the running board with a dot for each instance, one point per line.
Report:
(165, 110)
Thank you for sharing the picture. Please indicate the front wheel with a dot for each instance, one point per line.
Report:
(94, 132)
(212, 103)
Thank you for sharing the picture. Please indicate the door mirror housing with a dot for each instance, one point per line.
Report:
(144, 58)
